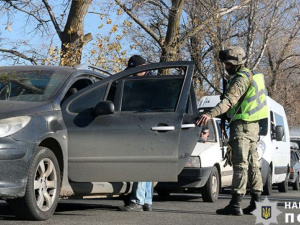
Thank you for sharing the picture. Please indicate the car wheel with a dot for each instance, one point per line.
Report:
(267, 189)
(163, 193)
(210, 191)
(284, 185)
(42, 189)
(296, 183)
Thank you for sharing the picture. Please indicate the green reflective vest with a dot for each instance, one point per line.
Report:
(254, 105)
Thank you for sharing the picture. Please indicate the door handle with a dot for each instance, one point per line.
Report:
(163, 128)
(188, 125)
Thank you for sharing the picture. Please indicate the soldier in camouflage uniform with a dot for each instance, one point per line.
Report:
(244, 127)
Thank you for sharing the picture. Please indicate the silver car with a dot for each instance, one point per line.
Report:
(67, 131)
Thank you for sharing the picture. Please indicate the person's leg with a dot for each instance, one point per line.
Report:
(254, 174)
(240, 145)
(140, 193)
(148, 193)
(148, 196)
(133, 197)
(137, 198)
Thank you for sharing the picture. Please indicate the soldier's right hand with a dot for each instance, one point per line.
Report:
(203, 119)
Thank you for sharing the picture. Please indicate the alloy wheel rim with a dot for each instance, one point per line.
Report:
(214, 184)
(45, 184)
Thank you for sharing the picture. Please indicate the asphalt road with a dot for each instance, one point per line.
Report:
(178, 209)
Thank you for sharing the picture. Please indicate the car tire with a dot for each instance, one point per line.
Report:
(210, 191)
(42, 189)
(296, 185)
(162, 193)
(267, 189)
(284, 185)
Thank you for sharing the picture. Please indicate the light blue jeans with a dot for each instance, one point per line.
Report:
(142, 194)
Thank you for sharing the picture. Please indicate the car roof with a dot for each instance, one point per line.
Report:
(65, 70)
(37, 67)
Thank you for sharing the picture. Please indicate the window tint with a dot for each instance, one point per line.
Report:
(88, 100)
(159, 95)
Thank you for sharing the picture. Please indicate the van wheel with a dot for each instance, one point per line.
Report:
(267, 189)
(42, 190)
(296, 183)
(284, 186)
(210, 191)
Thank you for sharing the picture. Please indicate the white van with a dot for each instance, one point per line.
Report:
(205, 171)
(274, 148)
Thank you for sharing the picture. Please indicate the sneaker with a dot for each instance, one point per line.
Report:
(133, 207)
(147, 207)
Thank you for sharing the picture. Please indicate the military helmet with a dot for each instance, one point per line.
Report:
(233, 54)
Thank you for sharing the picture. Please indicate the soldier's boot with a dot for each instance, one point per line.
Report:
(255, 197)
(234, 206)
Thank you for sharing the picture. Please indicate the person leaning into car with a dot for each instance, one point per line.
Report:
(141, 195)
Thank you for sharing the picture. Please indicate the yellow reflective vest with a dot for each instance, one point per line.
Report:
(254, 105)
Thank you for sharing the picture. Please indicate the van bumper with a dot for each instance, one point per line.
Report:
(189, 178)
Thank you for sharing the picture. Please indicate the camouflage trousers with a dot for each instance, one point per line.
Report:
(243, 141)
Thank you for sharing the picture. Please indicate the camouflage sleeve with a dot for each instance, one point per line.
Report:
(237, 88)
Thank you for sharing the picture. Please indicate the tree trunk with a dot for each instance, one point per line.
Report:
(72, 37)
(169, 48)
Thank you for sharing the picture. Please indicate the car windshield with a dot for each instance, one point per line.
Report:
(33, 85)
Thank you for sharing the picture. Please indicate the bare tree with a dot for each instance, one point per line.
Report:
(167, 31)
(71, 34)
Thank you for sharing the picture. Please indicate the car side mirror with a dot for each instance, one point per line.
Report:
(279, 133)
(103, 108)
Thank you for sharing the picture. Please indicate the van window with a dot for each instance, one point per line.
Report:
(279, 121)
(263, 127)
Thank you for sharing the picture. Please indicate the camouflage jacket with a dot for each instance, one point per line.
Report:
(238, 86)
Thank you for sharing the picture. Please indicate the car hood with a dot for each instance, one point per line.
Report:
(18, 108)
(201, 147)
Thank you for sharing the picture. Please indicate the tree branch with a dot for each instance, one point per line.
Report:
(26, 12)
(219, 13)
(267, 35)
(53, 19)
(139, 22)
(16, 53)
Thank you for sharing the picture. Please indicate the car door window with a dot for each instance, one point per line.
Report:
(77, 86)
(89, 99)
(157, 95)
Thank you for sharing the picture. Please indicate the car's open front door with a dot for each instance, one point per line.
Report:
(140, 141)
